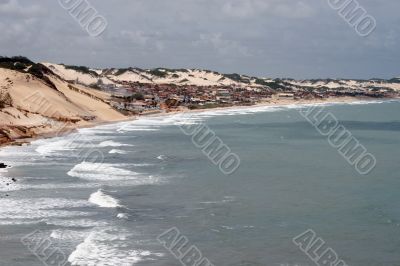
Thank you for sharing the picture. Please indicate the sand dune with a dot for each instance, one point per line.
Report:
(32, 107)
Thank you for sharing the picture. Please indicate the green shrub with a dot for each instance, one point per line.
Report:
(158, 73)
(137, 96)
(121, 71)
(82, 69)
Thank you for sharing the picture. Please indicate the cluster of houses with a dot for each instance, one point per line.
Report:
(148, 97)
(136, 97)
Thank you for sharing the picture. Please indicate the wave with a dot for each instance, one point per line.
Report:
(108, 247)
(41, 208)
(100, 171)
(18, 186)
(193, 117)
(154, 123)
(103, 200)
(226, 199)
(128, 127)
(162, 157)
(84, 223)
(49, 147)
(68, 235)
(136, 129)
(122, 216)
(95, 130)
(6, 183)
(116, 151)
(111, 143)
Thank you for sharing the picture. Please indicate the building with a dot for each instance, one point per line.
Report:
(223, 95)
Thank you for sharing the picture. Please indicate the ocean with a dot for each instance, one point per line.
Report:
(108, 195)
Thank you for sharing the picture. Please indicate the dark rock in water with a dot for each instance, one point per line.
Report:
(13, 179)
(2, 165)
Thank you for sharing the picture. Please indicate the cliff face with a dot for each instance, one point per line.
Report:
(32, 105)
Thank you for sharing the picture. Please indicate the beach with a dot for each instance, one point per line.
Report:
(152, 178)
(41, 131)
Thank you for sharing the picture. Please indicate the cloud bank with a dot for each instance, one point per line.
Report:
(270, 38)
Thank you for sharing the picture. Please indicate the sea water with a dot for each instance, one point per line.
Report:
(148, 177)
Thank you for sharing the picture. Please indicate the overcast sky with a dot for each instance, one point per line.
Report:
(269, 38)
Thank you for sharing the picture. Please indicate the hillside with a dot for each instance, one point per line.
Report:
(197, 77)
(47, 98)
(43, 103)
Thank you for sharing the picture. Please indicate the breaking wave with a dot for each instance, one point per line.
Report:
(103, 200)
(100, 171)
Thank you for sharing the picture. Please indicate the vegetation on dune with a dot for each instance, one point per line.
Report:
(236, 77)
(18, 63)
(173, 70)
(15, 59)
(24, 65)
(121, 71)
(81, 69)
(158, 72)
(395, 80)
(95, 86)
(261, 82)
(138, 96)
(211, 72)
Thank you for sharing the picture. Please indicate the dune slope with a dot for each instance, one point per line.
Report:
(29, 106)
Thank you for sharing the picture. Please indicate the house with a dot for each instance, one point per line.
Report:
(286, 95)
(223, 95)
(122, 92)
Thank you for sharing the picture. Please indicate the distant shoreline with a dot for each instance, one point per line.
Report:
(270, 103)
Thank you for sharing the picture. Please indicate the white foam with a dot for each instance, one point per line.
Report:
(103, 200)
(48, 147)
(6, 184)
(138, 129)
(111, 143)
(40, 208)
(133, 127)
(162, 157)
(100, 171)
(86, 223)
(21, 186)
(122, 216)
(18, 155)
(108, 247)
(192, 117)
(154, 123)
(95, 130)
(68, 235)
(116, 151)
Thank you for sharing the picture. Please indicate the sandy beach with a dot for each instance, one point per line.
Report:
(35, 108)
(64, 129)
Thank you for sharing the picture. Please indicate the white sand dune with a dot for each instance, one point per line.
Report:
(33, 107)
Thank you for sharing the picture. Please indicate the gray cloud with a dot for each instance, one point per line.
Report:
(276, 38)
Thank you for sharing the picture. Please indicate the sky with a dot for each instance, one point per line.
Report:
(265, 38)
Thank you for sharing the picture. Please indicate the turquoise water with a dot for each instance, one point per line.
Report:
(153, 178)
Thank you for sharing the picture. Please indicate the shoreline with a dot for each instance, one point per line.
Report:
(271, 103)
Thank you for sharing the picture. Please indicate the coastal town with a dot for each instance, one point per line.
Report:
(38, 99)
(146, 97)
